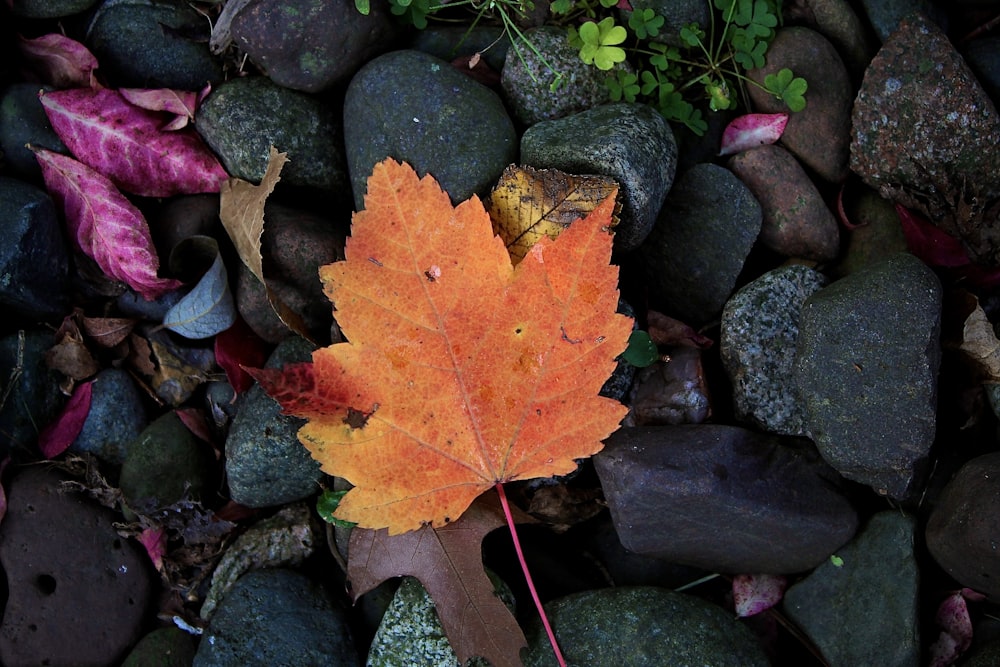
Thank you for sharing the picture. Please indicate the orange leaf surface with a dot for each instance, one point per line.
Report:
(462, 371)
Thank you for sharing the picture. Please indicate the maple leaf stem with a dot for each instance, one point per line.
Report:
(527, 575)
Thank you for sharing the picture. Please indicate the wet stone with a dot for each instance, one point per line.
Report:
(837, 21)
(631, 143)
(702, 237)
(642, 625)
(165, 647)
(865, 610)
(411, 106)
(866, 369)
(723, 498)
(924, 135)
(451, 42)
(309, 45)
(78, 592)
(527, 78)
(22, 122)
(116, 418)
(49, 9)
(819, 135)
(265, 462)
(34, 273)
(164, 465)
(964, 529)
(276, 617)
(152, 44)
(759, 331)
(885, 15)
(797, 222)
(244, 117)
(35, 397)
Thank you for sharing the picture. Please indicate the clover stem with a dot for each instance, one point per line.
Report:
(527, 575)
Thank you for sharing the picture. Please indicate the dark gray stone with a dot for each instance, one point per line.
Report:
(23, 121)
(866, 368)
(35, 399)
(276, 617)
(837, 21)
(244, 117)
(49, 9)
(164, 465)
(758, 335)
(983, 57)
(886, 15)
(265, 462)
(34, 262)
(78, 592)
(449, 42)
(642, 625)
(151, 44)
(819, 135)
(865, 610)
(310, 45)
(414, 107)
(528, 78)
(676, 15)
(723, 498)
(964, 529)
(164, 647)
(631, 143)
(116, 418)
(924, 135)
(702, 237)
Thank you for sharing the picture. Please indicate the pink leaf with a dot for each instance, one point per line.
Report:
(236, 347)
(60, 434)
(178, 102)
(155, 542)
(126, 144)
(105, 225)
(751, 131)
(956, 636)
(59, 61)
(754, 593)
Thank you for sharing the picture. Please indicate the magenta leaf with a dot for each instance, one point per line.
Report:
(126, 144)
(60, 434)
(751, 131)
(932, 245)
(754, 593)
(238, 347)
(59, 61)
(155, 542)
(956, 631)
(105, 225)
(180, 103)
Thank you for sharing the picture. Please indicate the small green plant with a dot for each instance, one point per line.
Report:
(708, 65)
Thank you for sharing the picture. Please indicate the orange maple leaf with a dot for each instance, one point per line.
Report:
(462, 371)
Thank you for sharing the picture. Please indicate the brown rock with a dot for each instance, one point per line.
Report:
(819, 135)
(924, 134)
(838, 22)
(964, 530)
(797, 223)
(78, 591)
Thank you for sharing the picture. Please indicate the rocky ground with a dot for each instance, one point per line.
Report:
(823, 407)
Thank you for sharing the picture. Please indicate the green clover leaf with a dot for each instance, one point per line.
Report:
(645, 23)
(599, 40)
(623, 86)
(787, 87)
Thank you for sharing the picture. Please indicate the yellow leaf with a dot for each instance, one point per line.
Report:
(528, 204)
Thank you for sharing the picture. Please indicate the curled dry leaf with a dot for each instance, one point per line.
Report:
(107, 332)
(751, 131)
(979, 342)
(59, 61)
(103, 224)
(127, 144)
(241, 210)
(206, 310)
(529, 204)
